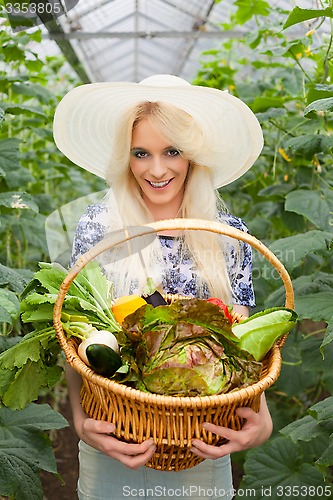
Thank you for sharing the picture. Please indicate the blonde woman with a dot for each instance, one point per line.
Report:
(164, 147)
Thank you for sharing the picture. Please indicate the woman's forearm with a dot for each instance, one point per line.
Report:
(74, 383)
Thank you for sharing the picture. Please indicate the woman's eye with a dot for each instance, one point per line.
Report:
(173, 152)
(139, 154)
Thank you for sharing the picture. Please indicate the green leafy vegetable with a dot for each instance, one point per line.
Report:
(185, 349)
(259, 332)
(32, 363)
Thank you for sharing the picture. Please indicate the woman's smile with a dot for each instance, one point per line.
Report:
(159, 185)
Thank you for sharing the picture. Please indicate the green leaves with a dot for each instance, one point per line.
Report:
(18, 200)
(9, 154)
(249, 8)
(323, 411)
(9, 306)
(30, 164)
(310, 291)
(293, 249)
(278, 469)
(15, 280)
(19, 109)
(322, 105)
(299, 15)
(31, 364)
(90, 294)
(309, 144)
(28, 366)
(262, 104)
(313, 205)
(328, 338)
(317, 306)
(318, 423)
(43, 94)
(25, 449)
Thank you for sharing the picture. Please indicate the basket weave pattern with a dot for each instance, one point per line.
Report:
(171, 421)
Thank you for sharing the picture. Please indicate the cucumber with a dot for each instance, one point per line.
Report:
(103, 360)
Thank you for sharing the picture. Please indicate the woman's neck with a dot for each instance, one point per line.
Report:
(163, 213)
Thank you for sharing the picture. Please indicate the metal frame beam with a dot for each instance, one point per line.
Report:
(187, 52)
(86, 35)
(56, 33)
(95, 7)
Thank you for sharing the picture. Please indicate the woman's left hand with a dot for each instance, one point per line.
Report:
(256, 430)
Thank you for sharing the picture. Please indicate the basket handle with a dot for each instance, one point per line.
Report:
(124, 235)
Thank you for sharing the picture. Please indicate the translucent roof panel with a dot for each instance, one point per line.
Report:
(128, 40)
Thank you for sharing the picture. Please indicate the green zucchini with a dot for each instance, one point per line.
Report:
(103, 360)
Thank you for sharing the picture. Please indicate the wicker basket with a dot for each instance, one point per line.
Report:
(171, 421)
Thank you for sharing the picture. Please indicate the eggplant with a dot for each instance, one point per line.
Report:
(155, 299)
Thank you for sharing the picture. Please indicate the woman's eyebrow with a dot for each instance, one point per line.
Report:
(139, 148)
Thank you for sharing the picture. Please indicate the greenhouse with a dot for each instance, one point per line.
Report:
(166, 221)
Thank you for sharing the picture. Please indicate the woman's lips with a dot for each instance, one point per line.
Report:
(160, 184)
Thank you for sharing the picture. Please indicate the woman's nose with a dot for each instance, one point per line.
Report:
(158, 169)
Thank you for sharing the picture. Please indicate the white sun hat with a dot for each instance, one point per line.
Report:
(86, 121)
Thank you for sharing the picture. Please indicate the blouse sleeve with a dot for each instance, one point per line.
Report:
(239, 263)
(89, 231)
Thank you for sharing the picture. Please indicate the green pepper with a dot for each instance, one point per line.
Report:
(259, 332)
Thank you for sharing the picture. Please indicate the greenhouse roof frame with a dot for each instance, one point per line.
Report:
(128, 40)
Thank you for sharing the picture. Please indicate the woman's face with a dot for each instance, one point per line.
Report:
(158, 168)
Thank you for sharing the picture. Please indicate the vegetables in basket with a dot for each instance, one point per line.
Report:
(185, 337)
(259, 332)
(191, 348)
(100, 351)
(186, 349)
(126, 305)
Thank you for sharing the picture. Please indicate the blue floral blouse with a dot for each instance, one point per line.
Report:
(180, 277)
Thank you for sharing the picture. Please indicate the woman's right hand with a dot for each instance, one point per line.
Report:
(98, 434)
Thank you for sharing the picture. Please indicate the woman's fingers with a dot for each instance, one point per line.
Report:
(256, 430)
(136, 460)
(97, 427)
(98, 434)
(131, 449)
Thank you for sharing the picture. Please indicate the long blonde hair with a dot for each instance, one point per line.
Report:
(200, 200)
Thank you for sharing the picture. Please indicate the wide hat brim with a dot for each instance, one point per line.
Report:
(86, 120)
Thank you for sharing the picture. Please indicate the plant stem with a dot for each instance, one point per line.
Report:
(300, 66)
(326, 59)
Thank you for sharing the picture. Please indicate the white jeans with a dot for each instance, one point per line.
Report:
(103, 478)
